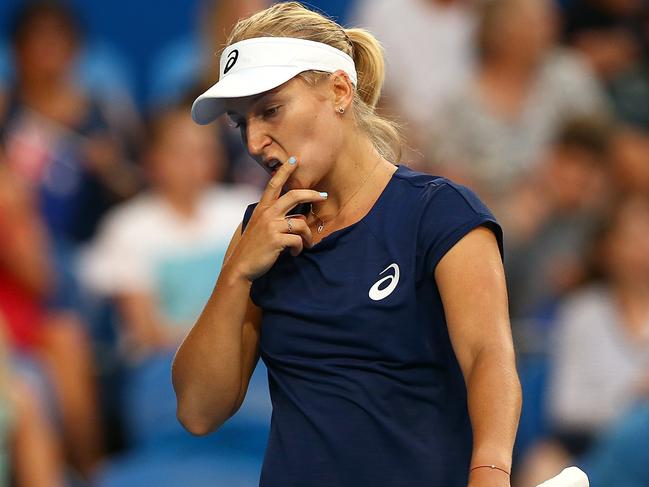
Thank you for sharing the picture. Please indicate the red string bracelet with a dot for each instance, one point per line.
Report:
(492, 467)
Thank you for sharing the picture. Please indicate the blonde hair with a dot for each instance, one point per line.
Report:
(291, 19)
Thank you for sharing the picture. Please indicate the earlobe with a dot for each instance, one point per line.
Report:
(343, 91)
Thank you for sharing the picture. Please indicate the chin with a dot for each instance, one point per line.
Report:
(294, 184)
(295, 181)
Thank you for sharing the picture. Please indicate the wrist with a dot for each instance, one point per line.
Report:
(232, 275)
(492, 454)
(479, 477)
(491, 467)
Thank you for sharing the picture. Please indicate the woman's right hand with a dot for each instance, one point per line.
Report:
(268, 233)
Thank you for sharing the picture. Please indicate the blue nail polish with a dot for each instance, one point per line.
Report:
(292, 160)
(324, 195)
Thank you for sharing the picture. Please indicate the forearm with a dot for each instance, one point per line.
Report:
(494, 400)
(207, 370)
(36, 458)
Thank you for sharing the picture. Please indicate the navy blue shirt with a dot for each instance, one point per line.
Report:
(365, 386)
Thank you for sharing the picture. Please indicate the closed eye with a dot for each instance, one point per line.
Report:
(270, 112)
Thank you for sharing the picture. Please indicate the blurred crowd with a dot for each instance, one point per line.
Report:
(115, 213)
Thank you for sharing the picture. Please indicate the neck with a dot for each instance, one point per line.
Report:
(504, 69)
(39, 86)
(183, 204)
(52, 98)
(505, 85)
(632, 290)
(350, 178)
(633, 307)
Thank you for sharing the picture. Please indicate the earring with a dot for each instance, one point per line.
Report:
(341, 110)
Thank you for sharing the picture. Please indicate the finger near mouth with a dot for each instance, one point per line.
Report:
(274, 170)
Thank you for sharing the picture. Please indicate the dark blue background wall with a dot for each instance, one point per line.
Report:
(137, 29)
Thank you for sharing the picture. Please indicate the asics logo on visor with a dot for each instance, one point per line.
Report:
(232, 60)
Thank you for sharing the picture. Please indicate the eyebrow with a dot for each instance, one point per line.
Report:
(265, 94)
(255, 100)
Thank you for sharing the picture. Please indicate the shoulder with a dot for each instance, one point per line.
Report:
(439, 194)
(133, 217)
(140, 206)
(230, 198)
(121, 253)
(228, 203)
(565, 60)
(417, 184)
(231, 195)
(442, 212)
(568, 70)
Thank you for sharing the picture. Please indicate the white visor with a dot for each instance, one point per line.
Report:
(260, 64)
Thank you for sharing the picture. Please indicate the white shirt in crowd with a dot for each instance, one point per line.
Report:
(597, 366)
(497, 150)
(145, 246)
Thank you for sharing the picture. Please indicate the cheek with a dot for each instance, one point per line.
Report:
(316, 143)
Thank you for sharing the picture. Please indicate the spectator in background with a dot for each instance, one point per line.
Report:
(550, 216)
(52, 340)
(418, 78)
(612, 35)
(159, 253)
(157, 257)
(29, 452)
(98, 67)
(601, 348)
(630, 161)
(187, 65)
(55, 135)
(498, 126)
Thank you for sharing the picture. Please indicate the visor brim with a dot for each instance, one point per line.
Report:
(245, 82)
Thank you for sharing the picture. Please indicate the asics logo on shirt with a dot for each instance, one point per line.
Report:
(378, 294)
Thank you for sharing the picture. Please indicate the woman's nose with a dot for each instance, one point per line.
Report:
(256, 138)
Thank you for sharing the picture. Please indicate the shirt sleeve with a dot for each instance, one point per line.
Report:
(247, 215)
(450, 212)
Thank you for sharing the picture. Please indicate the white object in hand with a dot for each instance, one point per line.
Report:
(570, 477)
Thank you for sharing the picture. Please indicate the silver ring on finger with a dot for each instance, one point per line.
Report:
(288, 222)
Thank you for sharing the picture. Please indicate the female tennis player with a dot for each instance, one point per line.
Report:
(374, 294)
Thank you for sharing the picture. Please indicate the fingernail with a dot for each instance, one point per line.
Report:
(324, 195)
(292, 160)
